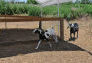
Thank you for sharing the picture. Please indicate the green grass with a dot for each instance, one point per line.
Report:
(67, 10)
(34, 11)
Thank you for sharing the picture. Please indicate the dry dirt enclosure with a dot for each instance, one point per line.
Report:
(78, 51)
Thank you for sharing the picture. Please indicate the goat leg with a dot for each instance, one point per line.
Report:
(74, 34)
(38, 44)
(55, 38)
(50, 44)
(70, 35)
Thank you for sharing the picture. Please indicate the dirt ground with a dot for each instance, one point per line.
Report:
(78, 51)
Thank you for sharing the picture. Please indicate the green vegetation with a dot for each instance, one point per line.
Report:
(2, 7)
(11, 9)
(67, 10)
(85, 1)
(34, 11)
(31, 2)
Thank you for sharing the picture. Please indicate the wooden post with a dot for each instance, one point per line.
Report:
(62, 30)
(5, 25)
(40, 24)
(5, 22)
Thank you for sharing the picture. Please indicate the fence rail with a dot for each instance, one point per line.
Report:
(10, 18)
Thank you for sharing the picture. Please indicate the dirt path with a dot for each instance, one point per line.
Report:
(78, 51)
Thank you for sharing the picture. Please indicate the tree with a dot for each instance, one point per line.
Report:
(85, 1)
(32, 1)
(12, 1)
(78, 1)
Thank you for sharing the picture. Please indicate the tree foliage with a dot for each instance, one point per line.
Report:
(85, 1)
(32, 2)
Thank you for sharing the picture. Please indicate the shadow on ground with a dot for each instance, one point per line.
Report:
(72, 39)
(11, 35)
(14, 48)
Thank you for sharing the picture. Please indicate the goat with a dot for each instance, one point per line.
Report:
(45, 35)
(74, 27)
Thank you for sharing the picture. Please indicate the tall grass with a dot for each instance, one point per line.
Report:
(2, 7)
(50, 10)
(11, 9)
(67, 10)
(88, 9)
(34, 11)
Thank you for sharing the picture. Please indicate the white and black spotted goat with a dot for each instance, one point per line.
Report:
(45, 35)
(74, 27)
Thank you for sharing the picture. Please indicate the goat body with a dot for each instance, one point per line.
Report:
(45, 35)
(74, 28)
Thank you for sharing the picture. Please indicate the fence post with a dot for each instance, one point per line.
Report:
(40, 24)
(5, 22)
(61, 30)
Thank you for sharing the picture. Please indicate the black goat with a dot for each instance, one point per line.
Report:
(73, 29)
(45, 35)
